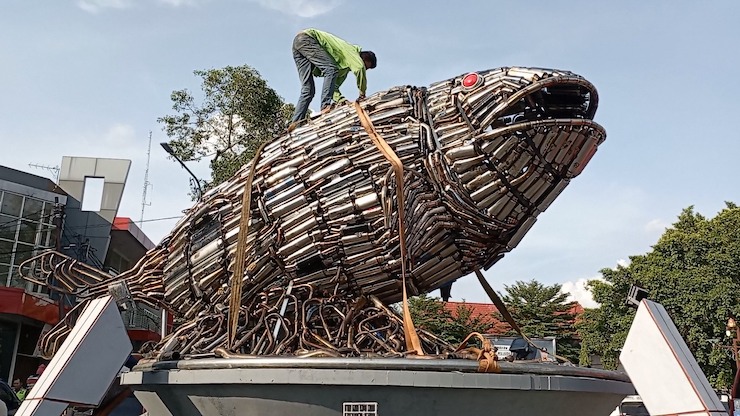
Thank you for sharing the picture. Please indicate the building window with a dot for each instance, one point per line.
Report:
(92, 193)
(28, 231)
(33, 209)
(11, 204)
(25, 229)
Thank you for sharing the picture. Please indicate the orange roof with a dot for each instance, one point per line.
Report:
(488, 311)
(485, 311)
(477, 308)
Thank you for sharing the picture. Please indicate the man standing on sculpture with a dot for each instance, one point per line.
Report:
(318, 53)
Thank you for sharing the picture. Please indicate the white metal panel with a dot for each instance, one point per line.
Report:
(662, 369)
(111, 195)
(114, 170)
(40, 407)
(76, 168)
(89, 359)
(154, 404)
(73, 188)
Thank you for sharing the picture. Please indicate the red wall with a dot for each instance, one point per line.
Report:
(16, 301)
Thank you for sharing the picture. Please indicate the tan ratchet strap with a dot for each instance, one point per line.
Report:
(505, 312)
(412, 338)
(235, 299)
(486, 355)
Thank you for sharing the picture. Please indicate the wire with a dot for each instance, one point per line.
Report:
(16, 220)
(130, 222)
(27, 250)
(96, 260)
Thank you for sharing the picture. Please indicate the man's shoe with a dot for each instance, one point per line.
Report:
(292, 126)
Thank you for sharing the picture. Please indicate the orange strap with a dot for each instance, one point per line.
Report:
(486, 355)
(412, 338)
(501, 306)
(235, 299)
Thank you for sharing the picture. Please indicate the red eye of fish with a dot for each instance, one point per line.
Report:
(472, 80)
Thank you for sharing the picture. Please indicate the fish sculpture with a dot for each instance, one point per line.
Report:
(481, 156)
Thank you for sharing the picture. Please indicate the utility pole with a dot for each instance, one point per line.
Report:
(58, 221)
(732, 330)
(147, 184)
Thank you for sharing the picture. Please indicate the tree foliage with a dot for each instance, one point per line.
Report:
(542, 311)
(237, 113)
(430, 314)
(694, 272)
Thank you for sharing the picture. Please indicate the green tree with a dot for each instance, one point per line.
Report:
(238, 112)
(694, 272)
(464, 321)
(430, 314)
(542, 311)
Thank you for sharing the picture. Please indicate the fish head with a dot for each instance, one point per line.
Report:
(511, 139)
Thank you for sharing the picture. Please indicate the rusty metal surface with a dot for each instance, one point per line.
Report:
(483, 156)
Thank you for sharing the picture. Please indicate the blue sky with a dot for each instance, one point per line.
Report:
(90, 78)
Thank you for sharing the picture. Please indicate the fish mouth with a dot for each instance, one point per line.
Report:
(558, 97)
(557, 105)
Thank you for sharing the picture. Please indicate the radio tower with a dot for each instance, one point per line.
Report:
(147, 184)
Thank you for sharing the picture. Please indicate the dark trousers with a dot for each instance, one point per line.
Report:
(308, 54)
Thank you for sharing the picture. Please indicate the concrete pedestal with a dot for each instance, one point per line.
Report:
(367, 387)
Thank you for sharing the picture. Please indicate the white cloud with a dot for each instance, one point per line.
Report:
(301, 8)
(623, 262)
(577, 291)
(94, 6)
(656, 225)
(120, 135)
(179, 3)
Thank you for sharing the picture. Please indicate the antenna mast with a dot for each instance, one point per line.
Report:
(53, 169)
(147, 184)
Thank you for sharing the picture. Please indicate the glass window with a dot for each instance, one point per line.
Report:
(12, 204)
(8, 225)
(28, 232)
(45, 237)
(33, 209)
(23, 252)
(48, 211)
(6, 250)
(16, 280)
(4, 271)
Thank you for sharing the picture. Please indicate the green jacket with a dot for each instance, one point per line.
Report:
(21, 394)
(347, 57)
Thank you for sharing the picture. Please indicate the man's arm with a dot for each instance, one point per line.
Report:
(361, 81)
(338, 97)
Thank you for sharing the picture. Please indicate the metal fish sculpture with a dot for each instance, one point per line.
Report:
(482, 154)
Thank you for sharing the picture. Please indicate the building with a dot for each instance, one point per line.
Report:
(499, 330)
(77, 216)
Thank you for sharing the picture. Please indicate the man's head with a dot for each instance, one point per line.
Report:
(17, 385)
(369, 58)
